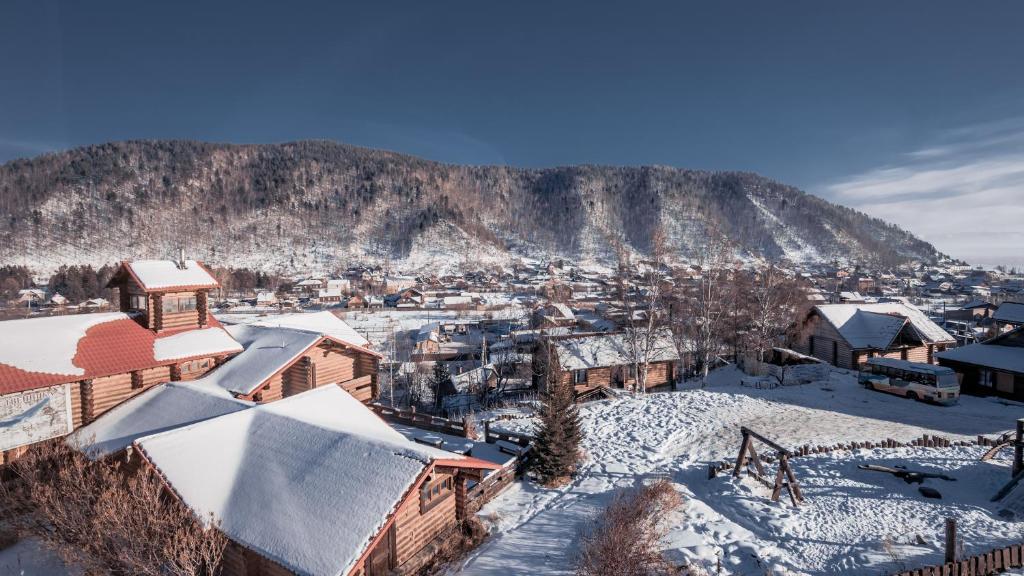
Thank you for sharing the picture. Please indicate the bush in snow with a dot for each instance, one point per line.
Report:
(556, 448)
(104, 517)
(626, 538)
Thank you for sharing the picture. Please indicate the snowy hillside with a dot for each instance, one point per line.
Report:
(311, 205)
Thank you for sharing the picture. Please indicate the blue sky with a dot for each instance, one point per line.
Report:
(912, 111)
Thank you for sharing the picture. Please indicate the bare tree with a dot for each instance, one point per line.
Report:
(775, 301)
(643, 306)
(106, 517)
(701, 301)
(626, 539)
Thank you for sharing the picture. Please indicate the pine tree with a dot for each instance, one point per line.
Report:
(556, 449)
(441, 382)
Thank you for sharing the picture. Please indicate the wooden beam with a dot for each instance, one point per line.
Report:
(747, 431)
(744, 446)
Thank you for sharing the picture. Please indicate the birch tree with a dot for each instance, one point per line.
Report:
(643, 303)
(701, 303)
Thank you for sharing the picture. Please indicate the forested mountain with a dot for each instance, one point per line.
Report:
(317, 205)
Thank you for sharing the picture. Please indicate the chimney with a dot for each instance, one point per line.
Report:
(181, 259)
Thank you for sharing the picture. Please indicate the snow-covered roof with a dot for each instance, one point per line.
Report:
(48, 344)
(165, 274)
(207, 341)
(564, 311)
(603, 350)
(428, 332)
(876, 325)
(39, 352)
(307, 482)
(324, 323)
(1007, 358)
(267, 350)
(1010, 312)
(162, 407)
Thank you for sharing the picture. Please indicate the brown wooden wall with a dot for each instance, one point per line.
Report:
(828, 345)
(332, 366)
(272, 390)
(239, 561)
(197, 368)
(414, 530)
(154, 376)
(298, 377)
(76, 404)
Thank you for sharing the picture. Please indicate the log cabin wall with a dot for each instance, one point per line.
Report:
(240, 561)
(193, 369)
(272, 390)
(332, 366)
(821, 340)
(298, 377)
(76, 404)
(174, 319)
(659, 374)
(153, 376)
(415, 528)
(107, 392)
(336, 365)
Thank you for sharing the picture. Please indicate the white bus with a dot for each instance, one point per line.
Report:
(914, 380)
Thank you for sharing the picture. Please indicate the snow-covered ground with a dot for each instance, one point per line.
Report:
(848, 516)
(30, 558)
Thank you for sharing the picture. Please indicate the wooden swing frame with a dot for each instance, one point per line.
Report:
(784, 477)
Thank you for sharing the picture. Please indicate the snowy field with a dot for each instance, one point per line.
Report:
(853, 521)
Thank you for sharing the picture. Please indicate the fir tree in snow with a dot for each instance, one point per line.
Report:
(557, 446)
(441, 382)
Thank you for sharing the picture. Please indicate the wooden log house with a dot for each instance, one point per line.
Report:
(845, 335)
(394, 497)
(77, 367)
(591, 361)
(292, 353)
(994, 367)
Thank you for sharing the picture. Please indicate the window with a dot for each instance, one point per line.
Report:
(985, 378)
(174, 304)
(138, 302)
(195, 366)
(434, 492)
(579, 376)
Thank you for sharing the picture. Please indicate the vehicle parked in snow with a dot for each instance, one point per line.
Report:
(913, 380)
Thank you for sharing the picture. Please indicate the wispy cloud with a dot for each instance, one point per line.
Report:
(964, 192)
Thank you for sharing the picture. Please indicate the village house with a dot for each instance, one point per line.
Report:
(994, 367)
(553, 315)
(291, 353)
(330, 296)
(60, 372)
(592, 361)
(847, 334)
(1010, 314)
(370, 502)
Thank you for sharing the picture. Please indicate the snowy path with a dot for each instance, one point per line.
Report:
(632, 439)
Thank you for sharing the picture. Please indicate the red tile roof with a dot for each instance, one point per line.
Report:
(109, 348)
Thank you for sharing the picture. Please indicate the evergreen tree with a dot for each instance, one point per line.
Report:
(556, 449)
(441, 382)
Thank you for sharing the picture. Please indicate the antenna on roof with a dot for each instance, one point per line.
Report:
(181, 259)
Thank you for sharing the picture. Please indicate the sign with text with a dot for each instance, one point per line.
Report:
(35, 415)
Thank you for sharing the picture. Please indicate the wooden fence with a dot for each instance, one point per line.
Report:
(992, 562)
(492, 436)
(425, 421)
(927, 441)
